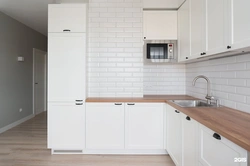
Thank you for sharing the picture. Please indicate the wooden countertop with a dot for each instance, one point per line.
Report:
(149, 99)
(230, 123)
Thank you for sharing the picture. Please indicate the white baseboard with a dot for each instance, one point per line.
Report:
(14, 124)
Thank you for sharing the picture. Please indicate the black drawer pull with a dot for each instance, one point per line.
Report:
(217, 136)
(66, 30)
(188, 118)
(186, 57)
(131, 104)
(229, 47)
(79, 103)
(118, 103)
(177, 111)
(79, 100)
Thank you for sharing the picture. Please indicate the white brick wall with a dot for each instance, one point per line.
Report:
(230, 80)
(164, 79)
(115, 66)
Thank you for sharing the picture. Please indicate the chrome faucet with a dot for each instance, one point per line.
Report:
(208, 96)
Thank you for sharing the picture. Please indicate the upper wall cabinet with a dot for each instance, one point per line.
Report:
(184, 32)
(240, 23)
(67, 18)
(160, 25)
(216, 27)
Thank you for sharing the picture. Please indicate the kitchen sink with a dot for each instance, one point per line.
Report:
(193, 103)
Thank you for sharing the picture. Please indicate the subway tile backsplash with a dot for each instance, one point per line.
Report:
(230, 80)
(164, 79)
(115, 59)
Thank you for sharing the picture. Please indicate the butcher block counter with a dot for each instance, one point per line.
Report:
(230, 123)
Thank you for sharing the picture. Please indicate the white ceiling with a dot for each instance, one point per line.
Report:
(33, 13)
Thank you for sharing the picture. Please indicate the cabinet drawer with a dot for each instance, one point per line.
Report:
(217, 150)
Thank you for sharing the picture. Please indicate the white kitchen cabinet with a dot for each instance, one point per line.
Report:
(239, 23)
(197, 28)
(66, 126)
(217, 28)
(67, 18)
(215, 150)
(105, 126)
(174, 140)
(184, 32)
(144, 126)
(66, 67)
(189, 136)
(160, 25)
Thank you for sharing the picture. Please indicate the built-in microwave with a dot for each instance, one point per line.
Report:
(160, 52)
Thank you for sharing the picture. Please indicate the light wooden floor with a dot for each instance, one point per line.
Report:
(25, 145)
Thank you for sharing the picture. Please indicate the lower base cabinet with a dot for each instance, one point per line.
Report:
(125, 126)
(189, 135)
(105, 126)
(144, 126)
(215, 150)
(174, 135)
(66, 126)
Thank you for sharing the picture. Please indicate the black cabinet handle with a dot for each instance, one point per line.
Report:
(131, 104)
(201, 53)
(188, 118)
(204, 53)
(217, 136)
(66, 30)
(145, 38)
(79, 100)
(186, 57)
(118, 103)
(79, 103)
(177, 111)
(229, 47)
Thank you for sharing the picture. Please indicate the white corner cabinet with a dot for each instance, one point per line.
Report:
(66, 77)
(189, 143)
(129, 128)
(160, 25)
(215, 150)
(67, 18)
(213, 27)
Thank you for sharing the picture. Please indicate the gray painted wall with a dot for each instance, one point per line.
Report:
(16, 77)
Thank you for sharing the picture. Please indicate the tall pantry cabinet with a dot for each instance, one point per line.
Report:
(66, 76)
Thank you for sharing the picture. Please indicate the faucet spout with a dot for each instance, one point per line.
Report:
(208, 96)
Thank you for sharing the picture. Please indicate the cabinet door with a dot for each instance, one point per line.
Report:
(66, 67)
(67, 18)
(240, 23)
(66, 126)
(184, 32)
(104, 126)
(198, 29)
(219, 152)
(144, 126)
(160, 25)
(189, 141)
(217, 30)
(174, 135)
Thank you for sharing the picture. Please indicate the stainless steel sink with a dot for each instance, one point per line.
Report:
(193, 103)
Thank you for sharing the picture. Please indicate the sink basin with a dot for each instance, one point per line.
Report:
(193, 103)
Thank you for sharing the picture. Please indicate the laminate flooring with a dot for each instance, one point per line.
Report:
(25, 145)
